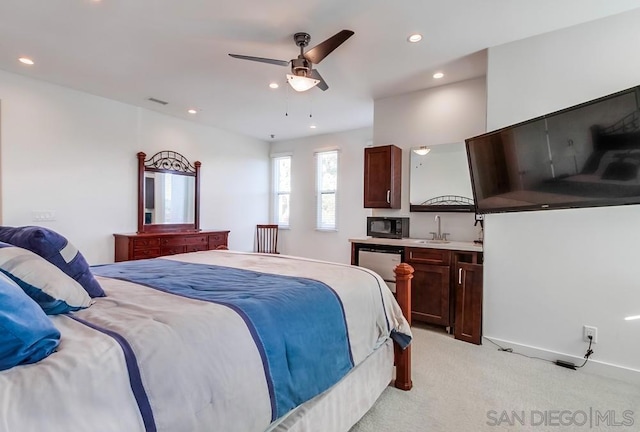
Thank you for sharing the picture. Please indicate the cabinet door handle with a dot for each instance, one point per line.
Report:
(388, 196)
(460, 276)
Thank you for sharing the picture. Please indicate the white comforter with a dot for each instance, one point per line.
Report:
(85, 385)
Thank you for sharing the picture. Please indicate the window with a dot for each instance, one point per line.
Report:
(281, 189)
(326, 188)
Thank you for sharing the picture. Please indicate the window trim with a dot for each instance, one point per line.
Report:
(275, 192)
(319, 192)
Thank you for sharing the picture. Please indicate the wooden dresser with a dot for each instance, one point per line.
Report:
(152, 245)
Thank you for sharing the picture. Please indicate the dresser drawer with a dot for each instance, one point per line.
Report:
(196, 247)
(217, 240)
(172, 250)
(196, 240)
(146, 253)
(429, 256)
(172, 241)
(183, 240)
(145, 243)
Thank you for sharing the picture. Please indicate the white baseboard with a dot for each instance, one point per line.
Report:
(595, 367)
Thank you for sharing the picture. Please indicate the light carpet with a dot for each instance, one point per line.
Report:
(461, 387)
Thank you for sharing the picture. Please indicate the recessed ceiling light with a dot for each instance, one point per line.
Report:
(25, 60)
(312, 126)
(632, 318)
(438, 75)
(274, 85)
(192, 111)
(415, 38)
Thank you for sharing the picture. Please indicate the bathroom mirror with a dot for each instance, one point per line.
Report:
(168, 193)
(439, 180)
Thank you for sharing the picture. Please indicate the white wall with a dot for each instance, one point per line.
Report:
(549, 273)
(445, 114)
(429, 117)
(75, 154)
(302, 238)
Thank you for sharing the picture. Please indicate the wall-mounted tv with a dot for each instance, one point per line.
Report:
(587, 155)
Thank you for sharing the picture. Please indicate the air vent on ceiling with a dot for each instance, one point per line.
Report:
(161, 102)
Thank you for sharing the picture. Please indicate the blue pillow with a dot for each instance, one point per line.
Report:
(45, 283)
(57, 250)
(27, 335)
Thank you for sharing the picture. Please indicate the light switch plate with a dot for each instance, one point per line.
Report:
(43, 216)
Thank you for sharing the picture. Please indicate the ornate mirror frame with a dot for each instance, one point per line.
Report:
(169, 162)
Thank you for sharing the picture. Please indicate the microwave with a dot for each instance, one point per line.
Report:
(388, 227)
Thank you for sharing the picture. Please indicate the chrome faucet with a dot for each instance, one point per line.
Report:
(440, 236)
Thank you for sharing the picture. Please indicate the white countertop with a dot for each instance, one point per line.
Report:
(423, 243)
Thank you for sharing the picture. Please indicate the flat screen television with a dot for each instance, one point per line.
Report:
(587, 155)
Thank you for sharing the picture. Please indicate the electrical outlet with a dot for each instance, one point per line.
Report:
(590, 331)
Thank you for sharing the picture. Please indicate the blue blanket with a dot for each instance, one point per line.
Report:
(298, 324)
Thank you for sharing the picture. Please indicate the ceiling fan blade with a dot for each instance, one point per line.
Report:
(323, 49)
(261, 59)
(322, 85)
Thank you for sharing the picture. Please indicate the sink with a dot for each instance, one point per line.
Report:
(432, 241)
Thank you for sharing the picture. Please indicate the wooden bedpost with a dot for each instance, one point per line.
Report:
(404, 274)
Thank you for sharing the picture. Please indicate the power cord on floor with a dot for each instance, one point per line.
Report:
(510, 350)
(568, 365)
(588, 353)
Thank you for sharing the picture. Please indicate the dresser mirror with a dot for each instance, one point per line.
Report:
(168, 193)
(439, 179)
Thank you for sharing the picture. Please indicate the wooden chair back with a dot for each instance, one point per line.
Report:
(267, 238)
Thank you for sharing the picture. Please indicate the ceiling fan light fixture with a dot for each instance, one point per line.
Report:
(422, 150)
(301, 83)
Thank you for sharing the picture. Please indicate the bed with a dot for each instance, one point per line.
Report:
(168, 349)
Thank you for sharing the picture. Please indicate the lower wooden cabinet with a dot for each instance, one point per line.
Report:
(446, 290)
(468, 311)
(152, 245)
(430, 286)
(430, 294)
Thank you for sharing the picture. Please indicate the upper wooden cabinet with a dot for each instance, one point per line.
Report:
(382, 174)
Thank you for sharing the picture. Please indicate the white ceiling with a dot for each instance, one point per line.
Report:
(176, 50)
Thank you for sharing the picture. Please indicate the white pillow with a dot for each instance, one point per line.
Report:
(53, 290)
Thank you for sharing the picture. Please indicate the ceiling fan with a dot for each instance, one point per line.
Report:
(303, 76)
